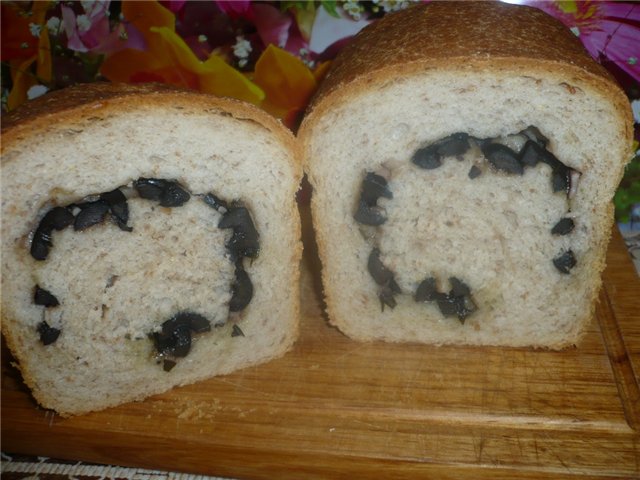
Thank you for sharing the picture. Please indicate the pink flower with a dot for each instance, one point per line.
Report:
(235, 8)
(90, 31)
(610, 31)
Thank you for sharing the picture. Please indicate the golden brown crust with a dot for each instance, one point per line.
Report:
(461, 36)
(91, 100)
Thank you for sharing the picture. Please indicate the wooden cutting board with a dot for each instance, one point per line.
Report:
(336, 408)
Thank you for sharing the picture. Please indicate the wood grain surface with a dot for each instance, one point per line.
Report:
(334, 408)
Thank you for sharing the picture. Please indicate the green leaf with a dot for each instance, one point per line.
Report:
(331, 6)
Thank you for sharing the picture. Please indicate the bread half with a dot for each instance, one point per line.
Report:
(150, 238)
(463, 157)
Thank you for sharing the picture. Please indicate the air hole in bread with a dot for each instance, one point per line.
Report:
(172, 338)
(508, 156)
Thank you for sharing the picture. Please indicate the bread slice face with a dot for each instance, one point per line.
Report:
(436, 222)
(198, 278)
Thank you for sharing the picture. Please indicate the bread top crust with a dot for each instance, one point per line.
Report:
(81, 102)
(465, 37)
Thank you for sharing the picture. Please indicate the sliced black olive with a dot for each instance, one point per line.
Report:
(474, 172)
(381, 274)
(386, 296)
(245, 241)
(369, 215)
(91, 213)
(236, 331)
(58, 218)
(458, 287)
(215, 202)
(149, 188)
(426, 291)
(48, 334)
(430, 157)
(241, 290)
(173, 195)
(565, 262)
(40, 244)
(503, 158)
(374, 186)
(561, 180)
(427, 158)
(454, 144)
(196, 322)
(118, 206)
(531, 153)
(563, 227)
(447, 304)
(167, 365)
(175, 338)
(44, 297)
(532, 133)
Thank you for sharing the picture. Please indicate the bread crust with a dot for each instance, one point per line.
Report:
(78, 105)
(84, 101)
(429, 36)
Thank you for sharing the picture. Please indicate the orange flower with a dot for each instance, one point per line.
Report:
(21, 49)
(287, 82)
(169, 59)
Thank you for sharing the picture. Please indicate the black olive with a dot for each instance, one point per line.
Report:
(241, 290)
(561, 180)
(386, 297)
(58, 218)
(426, 291)
(454, 144)
(40, 244)
(374, 186)
(381, 274)
(447, 304)
(565, 262)
(458, 287)
(91, 213)
(198, 323)
(48, 335)
(427, 158)
(563, 227)
(369, 215)
(236, 331)
(174, 340)
(149, 188)
(430, 157)
(44, 297)
(167, 365)
(532, 133)
(119, 208)
(474, 172)
(215, 202)
(503, 158)
(531, 153)
(245, 240)
(173, 195)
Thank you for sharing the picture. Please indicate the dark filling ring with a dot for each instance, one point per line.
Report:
(174, 339)
(459, 301)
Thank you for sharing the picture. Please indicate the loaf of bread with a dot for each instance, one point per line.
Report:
(150, 238)
(463, 157)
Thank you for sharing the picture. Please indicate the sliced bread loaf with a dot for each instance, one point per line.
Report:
(463, 157)
(150, 238)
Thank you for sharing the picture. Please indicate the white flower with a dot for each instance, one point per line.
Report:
(36, 91)
(635, 106)
(53, 24)
(83, 22)
(393, 5)
(353, 8)
(575, 31)
(35, 29)
(242, 48)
